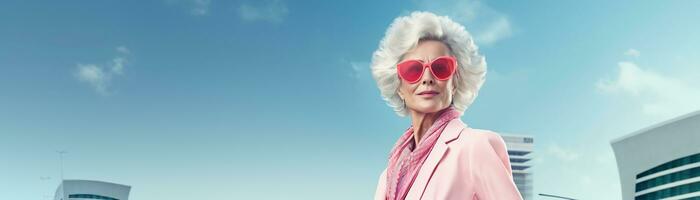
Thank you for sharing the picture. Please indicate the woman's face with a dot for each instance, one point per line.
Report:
(428, 95)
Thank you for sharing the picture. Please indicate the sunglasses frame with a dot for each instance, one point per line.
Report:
(428, 65)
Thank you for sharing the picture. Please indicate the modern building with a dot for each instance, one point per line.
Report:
(520, 152)
(662, 161)
(91, 190)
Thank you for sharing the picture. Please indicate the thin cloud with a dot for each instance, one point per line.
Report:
(562, 153)
(487, 25)
(119, 62)
(194, 7)
(273, 11)
(123, 49)
(359, 69)
(657, 94)
(200, 7)
(497, 30)
(99, 77)
(95, 76)
(633, 53)
(118, 65)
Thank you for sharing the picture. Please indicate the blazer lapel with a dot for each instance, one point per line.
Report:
(451, 132)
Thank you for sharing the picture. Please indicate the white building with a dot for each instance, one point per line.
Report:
(90, 190)
(662, 161)
(520, 152)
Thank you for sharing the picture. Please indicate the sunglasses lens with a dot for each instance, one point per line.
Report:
(442, 68)
(410, 70)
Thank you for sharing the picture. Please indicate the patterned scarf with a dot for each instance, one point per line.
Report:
(400, 176)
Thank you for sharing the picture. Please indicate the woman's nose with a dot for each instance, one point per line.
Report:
(427, 77)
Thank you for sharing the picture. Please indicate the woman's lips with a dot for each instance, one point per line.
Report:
(428, 93)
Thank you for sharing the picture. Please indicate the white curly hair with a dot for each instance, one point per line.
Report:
(405, 33)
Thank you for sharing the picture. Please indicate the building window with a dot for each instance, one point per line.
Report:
(517, 153)
(669, 192)
(672, 164)
(91, 196)
(668, 178)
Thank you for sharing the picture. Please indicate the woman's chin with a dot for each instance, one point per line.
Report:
(429, 108)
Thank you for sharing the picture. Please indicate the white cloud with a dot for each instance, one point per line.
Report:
(657, 94)
(200, 7)
(195, 7)
(496, 31)
(487, 25)
(632, 52)
(359, 69)
(119, 62)
(123, 49)
(561, 153)
(100, 76)
(272, 11)
(94, 75)
(118, 65)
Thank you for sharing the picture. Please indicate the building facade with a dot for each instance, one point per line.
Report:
(662, 161)
(520, 150)
(91, 190)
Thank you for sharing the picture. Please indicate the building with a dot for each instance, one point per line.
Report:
(88, 190)
(520, 152)
(662, 161)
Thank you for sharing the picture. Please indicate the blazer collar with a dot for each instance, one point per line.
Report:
(449, 134)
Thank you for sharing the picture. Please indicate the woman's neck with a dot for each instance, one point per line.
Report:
(421, 123)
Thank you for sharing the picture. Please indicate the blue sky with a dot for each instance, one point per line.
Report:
(185, 99)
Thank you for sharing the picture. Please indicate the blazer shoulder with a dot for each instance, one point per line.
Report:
(481, 140)
(480, 147)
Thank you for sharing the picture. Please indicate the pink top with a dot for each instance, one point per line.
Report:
(405, 154)
(407, 157)
(464, 163)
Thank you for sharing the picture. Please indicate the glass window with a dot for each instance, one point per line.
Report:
(671, 164)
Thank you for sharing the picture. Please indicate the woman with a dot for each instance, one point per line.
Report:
(427, 67)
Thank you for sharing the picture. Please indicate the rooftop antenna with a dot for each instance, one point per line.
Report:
(60, 158)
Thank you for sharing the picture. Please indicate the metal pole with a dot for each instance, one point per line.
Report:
(556, 196)
(60, 158)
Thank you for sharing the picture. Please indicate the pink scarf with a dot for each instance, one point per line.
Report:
(400, 178)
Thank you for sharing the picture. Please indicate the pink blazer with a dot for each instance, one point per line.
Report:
(464, 164)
